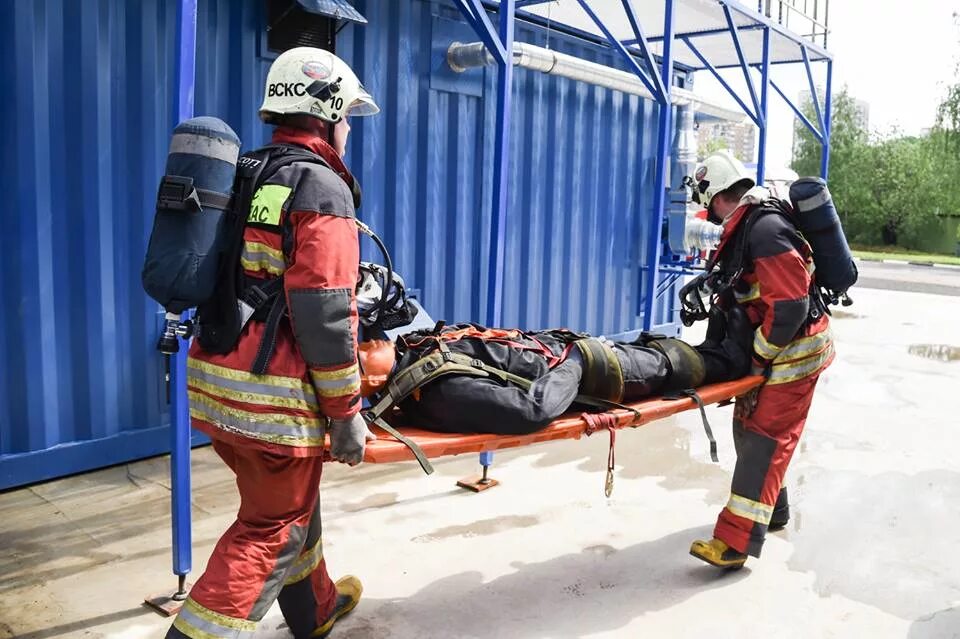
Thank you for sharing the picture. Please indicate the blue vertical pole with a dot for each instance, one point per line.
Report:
(827, 118)
(179, 409)
(764, 92)
(664, 138)
(501, 171)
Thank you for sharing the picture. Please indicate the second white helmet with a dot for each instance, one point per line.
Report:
(718, 172)
(311, 81)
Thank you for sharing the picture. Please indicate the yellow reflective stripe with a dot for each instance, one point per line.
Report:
(336, 387)
(749, 509)
(261, 265)
(337, 374)
(266, 249)
(253, 398)
(303, 394)
(273, 433)
(198, 622)
(748, 296)
(764, 348)
(257, 256)
(305, 564)
(277, 381)
(279, 419)
(805, 347)
(783, 373)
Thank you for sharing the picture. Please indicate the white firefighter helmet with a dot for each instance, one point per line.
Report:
(718, 172)
(311, 81)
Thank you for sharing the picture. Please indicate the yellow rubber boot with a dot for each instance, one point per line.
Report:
(717, 553)
(349, 590)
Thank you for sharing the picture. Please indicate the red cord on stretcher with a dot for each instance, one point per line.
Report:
(600, 421)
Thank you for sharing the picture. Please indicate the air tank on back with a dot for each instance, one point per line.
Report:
(817, 219)
(191, 223)
(183, 256)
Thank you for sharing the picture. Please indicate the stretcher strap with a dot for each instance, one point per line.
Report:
(416, 450)
(600, 421)
(692, 394)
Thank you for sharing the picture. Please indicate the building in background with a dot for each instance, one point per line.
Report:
(739, 137)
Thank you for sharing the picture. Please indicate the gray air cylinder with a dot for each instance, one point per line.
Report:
(191, 222)
(817, 219)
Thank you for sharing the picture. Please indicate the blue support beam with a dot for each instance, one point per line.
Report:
(813, 88)
(772, 63)
(643, 43)
(501, 173)
(743, 62)
(664, 137)
(530, 3)
(797, 112)
(723, 83)
(475, 14)
(762, 116)
(655, 89)
(179, 405)
(827, 118)
(699, 34)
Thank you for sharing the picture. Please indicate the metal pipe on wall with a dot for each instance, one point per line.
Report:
(461, 57)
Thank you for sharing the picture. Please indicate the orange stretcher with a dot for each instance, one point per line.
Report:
(386, 449)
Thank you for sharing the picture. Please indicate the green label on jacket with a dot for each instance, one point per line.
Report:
(267, 204)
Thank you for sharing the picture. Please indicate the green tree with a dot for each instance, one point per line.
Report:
(849, 154)
(887, 188)
(948, 113)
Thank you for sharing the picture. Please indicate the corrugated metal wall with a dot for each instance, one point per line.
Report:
(85, 133)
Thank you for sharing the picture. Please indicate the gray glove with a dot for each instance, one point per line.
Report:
(348, 438)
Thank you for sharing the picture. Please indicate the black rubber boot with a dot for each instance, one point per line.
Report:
(781, 512)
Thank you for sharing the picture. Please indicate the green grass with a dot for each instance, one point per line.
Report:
(897, 253)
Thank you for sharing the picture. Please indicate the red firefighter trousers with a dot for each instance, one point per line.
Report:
(765, 440)
(272, 551)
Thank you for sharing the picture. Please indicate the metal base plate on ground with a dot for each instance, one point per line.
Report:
(165, 603)
(477, 484)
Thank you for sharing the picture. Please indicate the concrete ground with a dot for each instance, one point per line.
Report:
(871, 550)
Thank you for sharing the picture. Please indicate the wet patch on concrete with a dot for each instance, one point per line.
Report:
(378, 500)
(602, 550)
(939, 352)
(660, 449)
(480, 528)
(869, 539)
(943, 624)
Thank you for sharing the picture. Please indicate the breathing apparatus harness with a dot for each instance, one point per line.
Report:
(239, 298)
(717, 281)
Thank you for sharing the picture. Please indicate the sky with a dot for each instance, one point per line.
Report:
(896, 55)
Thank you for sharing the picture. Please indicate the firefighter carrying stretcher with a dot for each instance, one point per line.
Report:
(765, 266)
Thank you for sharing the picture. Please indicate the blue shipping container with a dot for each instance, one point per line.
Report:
(87, 122)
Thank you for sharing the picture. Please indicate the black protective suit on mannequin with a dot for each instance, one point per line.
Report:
(560, 371)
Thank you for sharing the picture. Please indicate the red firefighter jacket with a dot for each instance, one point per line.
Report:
(313, 372)
(774, 290)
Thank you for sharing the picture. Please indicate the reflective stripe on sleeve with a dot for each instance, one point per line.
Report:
(762, 347)
(336, 383)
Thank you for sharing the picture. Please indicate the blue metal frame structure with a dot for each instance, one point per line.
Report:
(179, 404)
(500, 44)
(659, 86)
